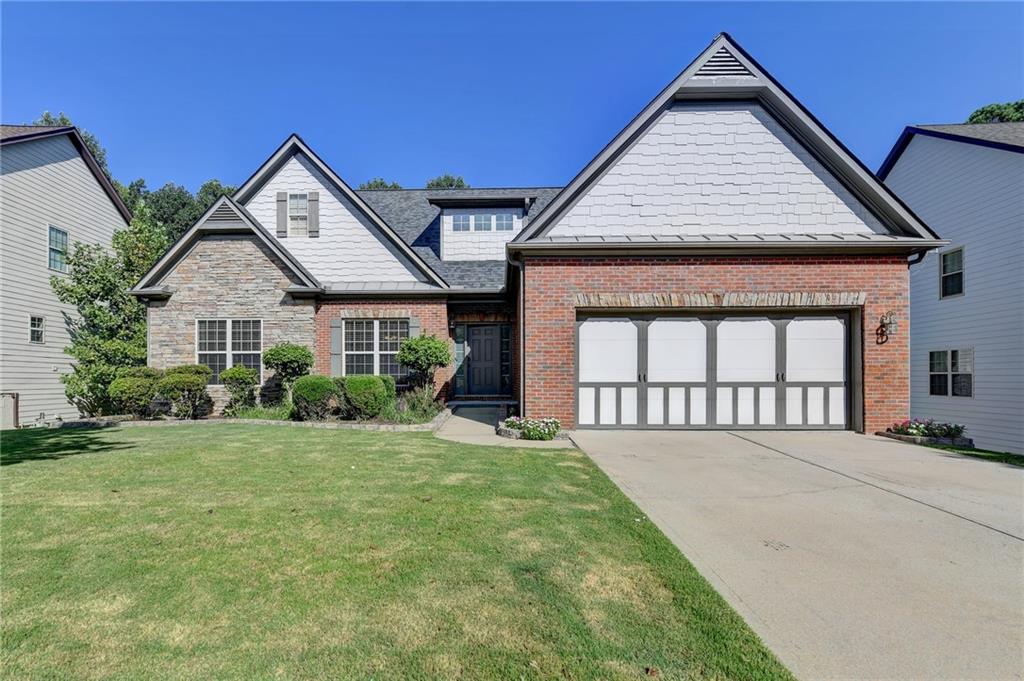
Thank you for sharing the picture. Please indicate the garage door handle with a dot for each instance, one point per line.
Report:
(780, 377)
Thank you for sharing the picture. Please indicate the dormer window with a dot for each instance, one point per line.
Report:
(503, 222)
(460, 223)
(482, 222)
(298, 215)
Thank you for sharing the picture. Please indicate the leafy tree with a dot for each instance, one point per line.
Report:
(209, 193)
(447, 181)
(288, 361)
(999, 113)
(93, 144)
(174, 208)
(379, 183)
(424, 355)
(109, 333)
(132, 194)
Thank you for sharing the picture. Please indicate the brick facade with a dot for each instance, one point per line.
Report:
(432, 314)
(554, 284)
(225, 277)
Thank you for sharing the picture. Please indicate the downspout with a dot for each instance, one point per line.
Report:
(917, 257)
(521, 322)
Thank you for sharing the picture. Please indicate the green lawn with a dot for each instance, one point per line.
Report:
(986, 454)
(253, 552)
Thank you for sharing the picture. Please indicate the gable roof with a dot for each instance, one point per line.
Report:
(1005, 136)
(294, 145)
(415, 215)
(724, 71)
(15, 134)
(225, 216)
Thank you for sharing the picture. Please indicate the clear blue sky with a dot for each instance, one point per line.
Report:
(504, 94)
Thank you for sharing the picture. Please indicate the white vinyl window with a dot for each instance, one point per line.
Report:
(951, 373)
(371, 347)
(298, 215)
(482, 222)
(36, 329)
(503, 222)
(223, 343)
(951, 273)
(58, 249)
(460, 223)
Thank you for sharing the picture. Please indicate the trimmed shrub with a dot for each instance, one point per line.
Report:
(424, 355)
(240, 382)
(366, 396)
(288, 361)
(141, 372)
(191, 370)
(313, 398)
(390, 387)
(133, 394)
(186, 391)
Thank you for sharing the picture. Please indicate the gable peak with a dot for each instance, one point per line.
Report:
(723, 63)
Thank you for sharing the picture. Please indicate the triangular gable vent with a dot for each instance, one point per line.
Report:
(223, 213)
(723, 63)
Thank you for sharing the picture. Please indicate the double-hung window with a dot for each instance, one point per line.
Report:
(371, 347)
(58, 249)
(460, 223)
(298, 215)
(482, 222)
(36, 329)
(951, 372)
(223, 343)
(503, 222)
(951, 274)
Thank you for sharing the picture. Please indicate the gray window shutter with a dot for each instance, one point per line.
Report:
(336, 340)
(282, 215)
(314, 214)
(414, 327)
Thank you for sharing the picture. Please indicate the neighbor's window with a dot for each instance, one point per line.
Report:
(952, 273)
(36, 326)
(298, 215)
(58, 259)
(951, 372)
(460, 223)
(243, 336)
(482, 222)
(371, 347)
(503, 222)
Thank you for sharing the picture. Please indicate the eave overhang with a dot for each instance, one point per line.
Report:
(483, 202)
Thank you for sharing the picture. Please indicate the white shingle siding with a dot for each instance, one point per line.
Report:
(973, 196)
(712, 169)
(349, 249)
(42, 182)
(474, 245)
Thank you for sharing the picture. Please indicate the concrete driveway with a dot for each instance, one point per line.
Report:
(852, 556)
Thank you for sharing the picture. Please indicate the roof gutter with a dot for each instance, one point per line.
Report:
(909, 246)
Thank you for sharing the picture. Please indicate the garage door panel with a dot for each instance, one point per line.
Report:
(746, 351)
(815, 350)
(608, 351)
(677, 351)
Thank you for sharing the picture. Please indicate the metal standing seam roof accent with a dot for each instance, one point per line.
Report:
(677, 239)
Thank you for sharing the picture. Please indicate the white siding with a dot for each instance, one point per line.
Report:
(973, 196)
(349, 248)
(42, 182)
(474, 245)
(716, 169)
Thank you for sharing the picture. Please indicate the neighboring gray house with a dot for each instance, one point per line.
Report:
(967, 299)
(52, 194)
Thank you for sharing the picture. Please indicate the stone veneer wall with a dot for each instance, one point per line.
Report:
(226, 277)
(556, 287)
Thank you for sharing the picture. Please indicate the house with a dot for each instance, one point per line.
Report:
(52, 194)
(967, 299)
(723, 262)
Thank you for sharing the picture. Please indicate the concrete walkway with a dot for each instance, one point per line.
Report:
(853, 557)
(476, 426)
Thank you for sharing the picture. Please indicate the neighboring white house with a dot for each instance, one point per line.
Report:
(52, 194)
(967, 299)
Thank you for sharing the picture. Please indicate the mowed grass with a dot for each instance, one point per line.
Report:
(256, 552)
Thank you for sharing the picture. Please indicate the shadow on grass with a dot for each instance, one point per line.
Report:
(36, 444)
(1006, 458)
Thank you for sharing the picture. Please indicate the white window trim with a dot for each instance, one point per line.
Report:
(297, 214)
(376, 342)
(228, 360)
(67, 252)
(963, 273)
(469, 222)
(949, 373)
(42, 330)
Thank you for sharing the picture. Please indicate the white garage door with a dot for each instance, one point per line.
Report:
(712, 372)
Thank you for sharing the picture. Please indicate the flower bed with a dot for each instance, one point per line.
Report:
(519, 428)
(929, 432)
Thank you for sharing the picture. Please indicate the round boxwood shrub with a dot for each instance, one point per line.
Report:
(313, 398)
(367, 396)
(186, 391)
(240, 382)
(133, 394)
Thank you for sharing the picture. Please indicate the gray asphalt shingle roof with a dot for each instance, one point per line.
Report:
(417, 221)
(1004, 133)
(9, 131)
